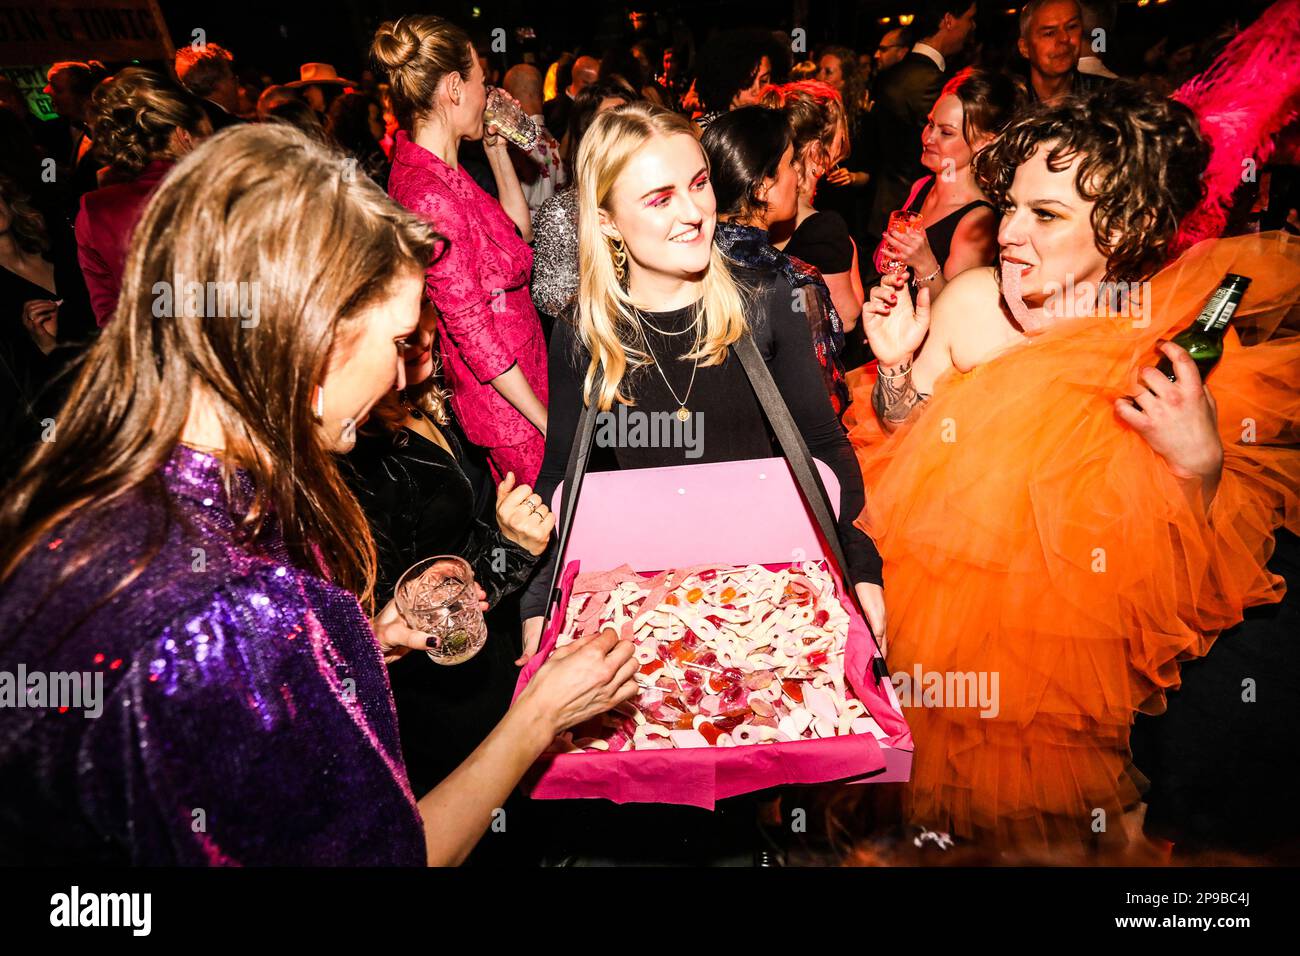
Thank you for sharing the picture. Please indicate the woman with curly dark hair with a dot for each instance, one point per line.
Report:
(143, 123)
(1060, 522)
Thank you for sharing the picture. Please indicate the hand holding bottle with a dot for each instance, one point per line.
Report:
(1178, 420)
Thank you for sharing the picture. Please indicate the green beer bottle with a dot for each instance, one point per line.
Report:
(1203, 339)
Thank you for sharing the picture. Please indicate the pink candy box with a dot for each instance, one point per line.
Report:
(747, 512)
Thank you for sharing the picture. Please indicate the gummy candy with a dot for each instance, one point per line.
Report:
(725, 676)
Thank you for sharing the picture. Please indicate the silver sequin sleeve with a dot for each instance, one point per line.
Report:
(555, 252)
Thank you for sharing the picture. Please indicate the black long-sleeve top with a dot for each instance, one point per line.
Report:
(420, 501)
(734, 426)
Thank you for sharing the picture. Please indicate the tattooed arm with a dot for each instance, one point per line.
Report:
(913, 345)
(895, 396)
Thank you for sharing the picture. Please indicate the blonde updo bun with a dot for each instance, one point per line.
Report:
(395, 45)
(417, 52)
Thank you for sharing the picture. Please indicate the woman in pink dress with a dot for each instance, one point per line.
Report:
(493, 350)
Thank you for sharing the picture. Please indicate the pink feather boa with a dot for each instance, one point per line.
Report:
(1249, 93)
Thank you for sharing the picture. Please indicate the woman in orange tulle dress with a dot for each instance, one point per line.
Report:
(1050, 509)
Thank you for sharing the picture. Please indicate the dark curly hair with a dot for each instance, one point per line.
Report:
(1142, 161)
(730, 64)
(134, 113)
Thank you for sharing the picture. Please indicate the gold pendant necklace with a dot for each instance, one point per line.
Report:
(683, 413)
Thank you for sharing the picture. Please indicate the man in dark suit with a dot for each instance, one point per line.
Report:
(1051, 39)
(208, 72)
(904, 96)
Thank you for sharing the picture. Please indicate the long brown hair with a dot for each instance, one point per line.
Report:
(255, 204)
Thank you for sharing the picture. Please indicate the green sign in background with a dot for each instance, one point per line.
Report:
(30, 81)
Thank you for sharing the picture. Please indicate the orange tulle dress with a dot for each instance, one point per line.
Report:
(1028, 533)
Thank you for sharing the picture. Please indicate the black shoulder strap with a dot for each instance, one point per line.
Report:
(793, 447)
(574, 472)
(795, 450)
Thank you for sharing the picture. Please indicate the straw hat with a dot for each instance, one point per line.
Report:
(311, 74)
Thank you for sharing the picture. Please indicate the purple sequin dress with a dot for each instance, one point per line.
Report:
(246, 714)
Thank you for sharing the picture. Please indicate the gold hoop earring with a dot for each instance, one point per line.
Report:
(619, 255)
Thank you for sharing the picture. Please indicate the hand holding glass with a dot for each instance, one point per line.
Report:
(903, 221)
(437, 597)
(510, 119)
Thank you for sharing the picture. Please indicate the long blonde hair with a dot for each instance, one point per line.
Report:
(607, 323)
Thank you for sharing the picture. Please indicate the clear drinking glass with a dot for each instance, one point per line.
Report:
(437, 597)
(903, 221)
(509, 119)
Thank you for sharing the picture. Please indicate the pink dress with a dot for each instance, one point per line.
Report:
(487, 322)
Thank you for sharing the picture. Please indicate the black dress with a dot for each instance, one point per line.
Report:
(33, 384)
(938, 234)
(823, 241)
(597, 832)
(419, 503)
(1221, 759)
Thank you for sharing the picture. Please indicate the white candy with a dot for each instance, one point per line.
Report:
(821, 704)
(823, 728)
(801, 717)
(688, 738)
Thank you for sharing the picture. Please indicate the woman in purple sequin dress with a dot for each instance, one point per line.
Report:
(186, 555)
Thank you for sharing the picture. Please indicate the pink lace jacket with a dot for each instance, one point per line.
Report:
(480, 286)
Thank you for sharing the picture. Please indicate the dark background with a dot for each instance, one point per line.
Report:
(275, 37)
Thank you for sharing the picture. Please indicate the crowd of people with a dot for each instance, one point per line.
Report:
(270, 345)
